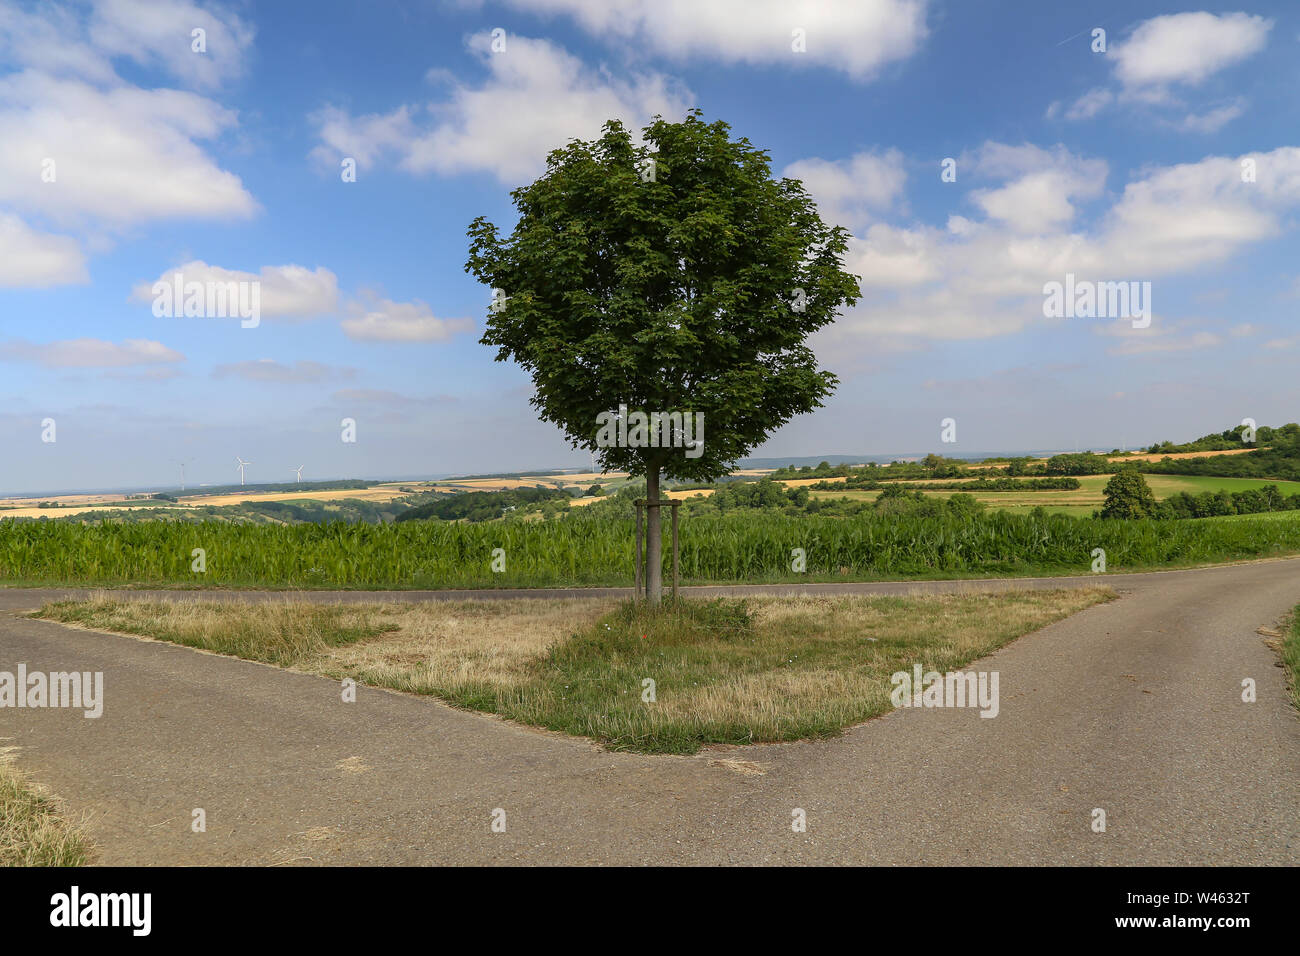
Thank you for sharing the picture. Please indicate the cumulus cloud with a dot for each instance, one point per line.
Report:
(89, 152)
(286, 291)
(90, 353)
(978, 278)
(159, 33)
(848, 191)
(858, 37)
(34, 259)
(383, 320)
(118, 156)
(1039, 196)
(1186, 48)
(1176, 52)
(535, 99)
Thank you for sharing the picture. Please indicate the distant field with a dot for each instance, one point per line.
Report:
(1089, 496)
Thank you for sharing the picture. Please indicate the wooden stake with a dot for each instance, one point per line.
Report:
(637, 595)
(675, 504)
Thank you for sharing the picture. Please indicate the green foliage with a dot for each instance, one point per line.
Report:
(1082, 463)
(484, 505)
(1128, 496)
(595, 549)
(673, 291)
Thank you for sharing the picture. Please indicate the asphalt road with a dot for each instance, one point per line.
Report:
(1133, 707)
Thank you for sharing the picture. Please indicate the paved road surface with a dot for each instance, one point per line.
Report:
(1133, 707)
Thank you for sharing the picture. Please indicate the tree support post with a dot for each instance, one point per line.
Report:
(640, 593)
(637, 594)
(674, 506)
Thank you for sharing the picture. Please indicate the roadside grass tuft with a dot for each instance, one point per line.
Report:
(32, 830)
(1290, 651)
(282, 634)
(724, 671)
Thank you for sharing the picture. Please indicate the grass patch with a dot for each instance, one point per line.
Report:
(1290, 651)
(32, 831)
(279, 634)
(725, 671)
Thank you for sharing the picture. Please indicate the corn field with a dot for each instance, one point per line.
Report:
(755, 546)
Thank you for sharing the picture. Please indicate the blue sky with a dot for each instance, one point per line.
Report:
(1116, 165)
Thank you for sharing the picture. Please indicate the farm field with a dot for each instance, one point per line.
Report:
(596, 550)
(1083, 501)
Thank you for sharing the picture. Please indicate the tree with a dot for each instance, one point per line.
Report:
(673, 275)
(1128, 496)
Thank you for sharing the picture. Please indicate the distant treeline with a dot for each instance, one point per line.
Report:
(484, 505)
(864, 483)
(1211, 504)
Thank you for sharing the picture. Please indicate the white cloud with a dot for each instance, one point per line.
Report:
(892, 257)
(90, 353)
(536, 98)
(848, 191)
(32, 259)
(120, 156)
(89, 152)
(1187, 48)
(981, 278)
(383, 320)
(1040, 197)
(158, 33)
(286, 291)
(857, 37)
(1090, 104)
(363, 138)
(1212, 120)
(269, 370)
(1159, 337)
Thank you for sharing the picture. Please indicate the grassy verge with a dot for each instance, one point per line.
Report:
(32, 831)
(725, 671)
(1290, 651)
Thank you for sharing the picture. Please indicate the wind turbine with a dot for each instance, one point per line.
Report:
(241, 465)
(183, 464)
(299, 471)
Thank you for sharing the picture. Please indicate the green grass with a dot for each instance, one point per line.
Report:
(582, 551)
(1262, 516)
(32, 831)
(1291, 656)
(724, 671)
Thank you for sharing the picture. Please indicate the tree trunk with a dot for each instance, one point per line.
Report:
(654, 565)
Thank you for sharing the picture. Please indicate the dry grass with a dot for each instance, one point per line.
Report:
(460, 643)
(730, 672)
(32, 830)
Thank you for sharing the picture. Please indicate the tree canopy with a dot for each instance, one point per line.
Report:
(673, 274)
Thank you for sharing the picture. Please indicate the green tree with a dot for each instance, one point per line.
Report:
(670, 275)
(1128, 496)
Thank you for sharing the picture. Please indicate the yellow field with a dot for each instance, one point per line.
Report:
(377, 494)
